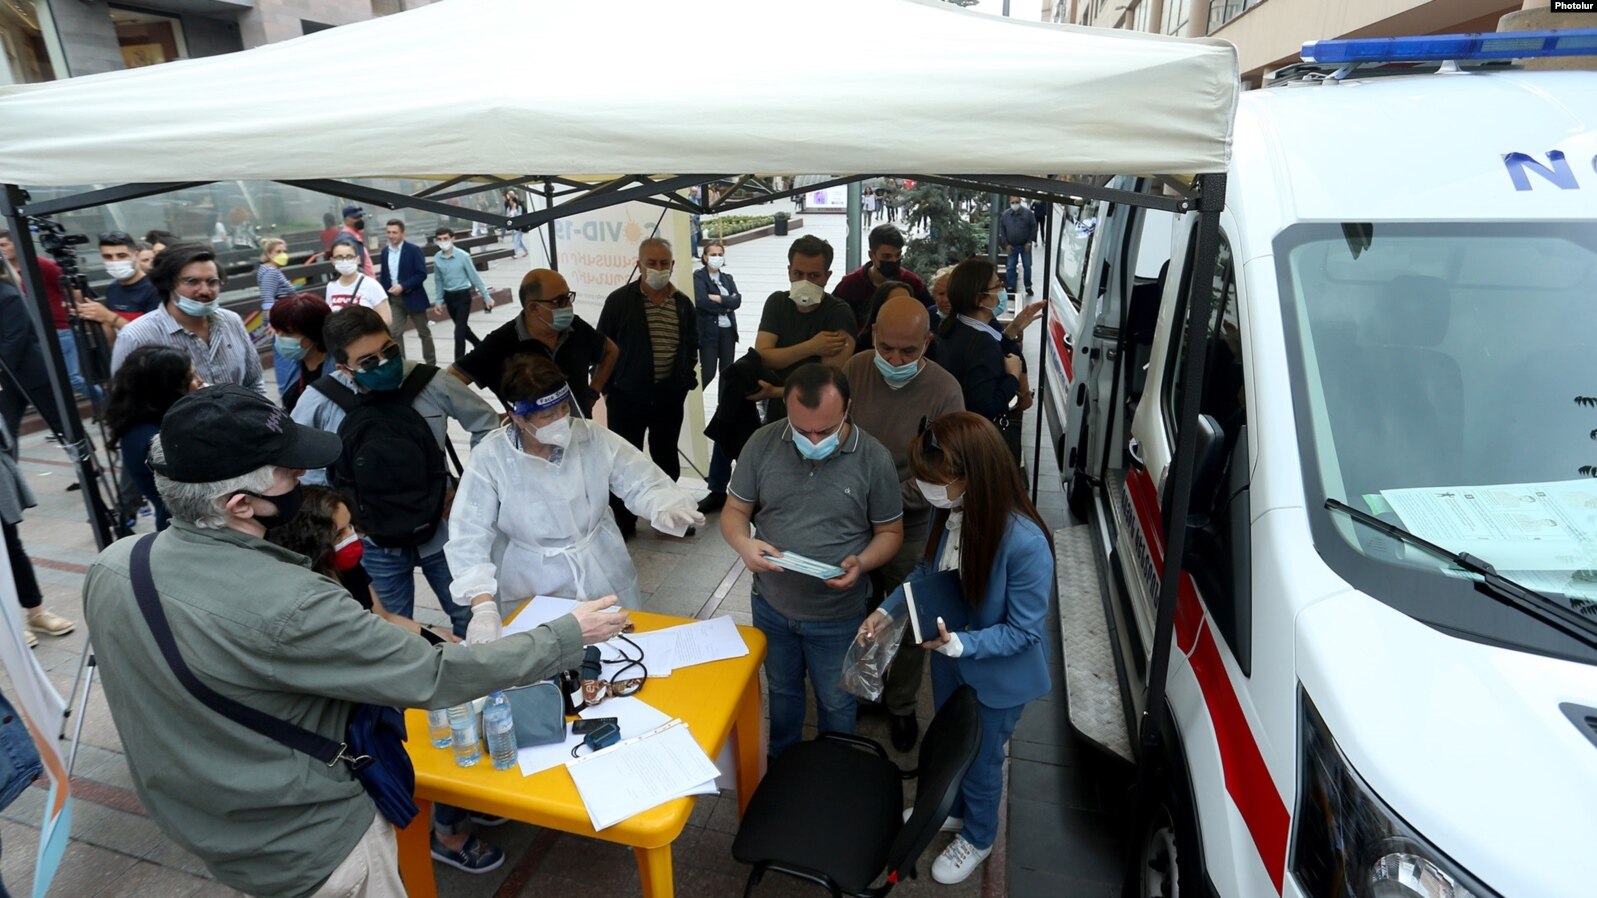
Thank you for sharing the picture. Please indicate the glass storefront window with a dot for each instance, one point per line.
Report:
(148, 38)
(1176, 13)
(27, 37)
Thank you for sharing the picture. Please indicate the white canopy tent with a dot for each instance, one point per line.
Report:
(579, 88)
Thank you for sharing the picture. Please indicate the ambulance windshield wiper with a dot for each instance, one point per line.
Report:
(1541, 606)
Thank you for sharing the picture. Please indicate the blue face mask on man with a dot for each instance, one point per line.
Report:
(561, 318)
(386, 376)
(196, 308)
(897, 375)
(816, 451)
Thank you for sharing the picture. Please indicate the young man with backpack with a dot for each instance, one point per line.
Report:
(392, 416)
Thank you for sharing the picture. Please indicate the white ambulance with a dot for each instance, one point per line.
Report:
(1383, 676)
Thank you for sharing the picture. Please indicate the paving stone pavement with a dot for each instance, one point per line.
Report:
(117, 850)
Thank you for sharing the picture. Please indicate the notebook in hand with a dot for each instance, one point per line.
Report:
(931, 596)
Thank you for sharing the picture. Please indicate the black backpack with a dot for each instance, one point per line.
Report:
(391, 462)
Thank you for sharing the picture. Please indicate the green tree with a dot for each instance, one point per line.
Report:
(947, 236)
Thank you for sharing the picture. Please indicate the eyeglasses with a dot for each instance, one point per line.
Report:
(559, 301)
(115, 237)
(369, 363)
(213, 283)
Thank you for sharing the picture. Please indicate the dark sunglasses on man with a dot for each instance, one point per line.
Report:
(369, 363)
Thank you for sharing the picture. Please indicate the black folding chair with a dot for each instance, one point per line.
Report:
(830, 811)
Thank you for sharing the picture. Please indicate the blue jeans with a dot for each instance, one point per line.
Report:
(984, 782)
(792, 648)
(1017, 251)
(393, 576)
(69, 353)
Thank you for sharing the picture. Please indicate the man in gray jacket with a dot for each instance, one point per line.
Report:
(253, 622)
(1018, 229)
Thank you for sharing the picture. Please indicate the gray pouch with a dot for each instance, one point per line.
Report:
(539, 713)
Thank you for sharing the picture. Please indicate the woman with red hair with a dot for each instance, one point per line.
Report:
(297, 321)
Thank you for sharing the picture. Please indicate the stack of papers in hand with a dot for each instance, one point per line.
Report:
(640, 773)
(700, 642)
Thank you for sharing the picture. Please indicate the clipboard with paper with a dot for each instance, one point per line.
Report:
(930, 596)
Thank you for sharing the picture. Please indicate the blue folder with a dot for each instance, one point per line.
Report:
(931, 596)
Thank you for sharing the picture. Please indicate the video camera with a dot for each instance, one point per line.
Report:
(54, 239)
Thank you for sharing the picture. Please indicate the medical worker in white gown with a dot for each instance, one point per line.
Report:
(532, 514)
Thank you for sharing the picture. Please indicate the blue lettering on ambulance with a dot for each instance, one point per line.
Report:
(1556, 170)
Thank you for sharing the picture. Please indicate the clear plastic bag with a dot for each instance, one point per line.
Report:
(865, 663)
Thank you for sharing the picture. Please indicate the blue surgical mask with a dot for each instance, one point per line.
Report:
(197, 309)
(897, 375)
(387, 376)
(562, 318)
(1001, 303)
(815, 451)
(288, 347)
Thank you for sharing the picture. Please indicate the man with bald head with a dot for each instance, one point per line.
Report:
(895, 389)
(548, 326)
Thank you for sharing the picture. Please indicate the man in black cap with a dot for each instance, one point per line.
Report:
(355, 227)
(254, 623)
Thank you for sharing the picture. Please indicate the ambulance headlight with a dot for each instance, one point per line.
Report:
(1347, 843)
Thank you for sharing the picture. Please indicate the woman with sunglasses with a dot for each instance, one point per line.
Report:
(986, 529)
(971, 345)
(532, 516)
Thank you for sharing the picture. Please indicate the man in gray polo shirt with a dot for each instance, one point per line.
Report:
(819, 487)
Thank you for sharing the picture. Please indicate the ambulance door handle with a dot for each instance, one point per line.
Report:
(1135, 448)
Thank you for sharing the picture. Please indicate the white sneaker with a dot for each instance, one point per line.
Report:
(958, 861)
(950, 824)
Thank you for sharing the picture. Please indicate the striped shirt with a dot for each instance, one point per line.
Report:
(229, 357)
(274, 285)
(663, 336)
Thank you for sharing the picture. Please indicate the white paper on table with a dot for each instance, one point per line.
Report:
(633, 716)
(700, 642)
(641, 773)
(541, 610)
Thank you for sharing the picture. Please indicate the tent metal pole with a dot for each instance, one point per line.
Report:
(1050, 188)
(443, 185)
(549, 203)
(727, 204)
(995, 205)
(102, 196)
(73, 438)
(612, 198)
(1200, 300)
(1042, 358)
(851, 255)
(389, 199)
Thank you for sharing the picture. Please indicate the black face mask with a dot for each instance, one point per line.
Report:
(359, 224)
(888, 270)
(287, 506)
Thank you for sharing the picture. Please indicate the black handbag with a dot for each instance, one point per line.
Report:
(374, 737)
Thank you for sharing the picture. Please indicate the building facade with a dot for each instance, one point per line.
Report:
(48, 39)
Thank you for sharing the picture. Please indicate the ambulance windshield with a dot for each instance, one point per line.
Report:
(1445, 380)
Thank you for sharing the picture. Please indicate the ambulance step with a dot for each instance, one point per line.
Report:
(1091, 683)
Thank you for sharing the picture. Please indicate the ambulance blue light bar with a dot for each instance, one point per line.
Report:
(1458, 47)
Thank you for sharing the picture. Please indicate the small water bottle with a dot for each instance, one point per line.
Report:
(500, 731)
(463, 734)
(438, 728)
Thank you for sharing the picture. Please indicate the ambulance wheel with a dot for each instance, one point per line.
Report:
(1166, 858)
(1078, 496)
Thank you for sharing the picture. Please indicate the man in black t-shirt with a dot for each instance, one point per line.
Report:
(804, 324)
(130, 293)
(548, 326)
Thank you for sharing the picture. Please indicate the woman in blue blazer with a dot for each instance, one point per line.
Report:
(988, 530)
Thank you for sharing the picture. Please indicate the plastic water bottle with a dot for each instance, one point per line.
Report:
(463, 733)
(500, 731)
(438, 728)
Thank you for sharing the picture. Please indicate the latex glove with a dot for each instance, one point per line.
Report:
(485, 624)
(676, 521)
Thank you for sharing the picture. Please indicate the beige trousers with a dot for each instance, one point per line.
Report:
(372, 868)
